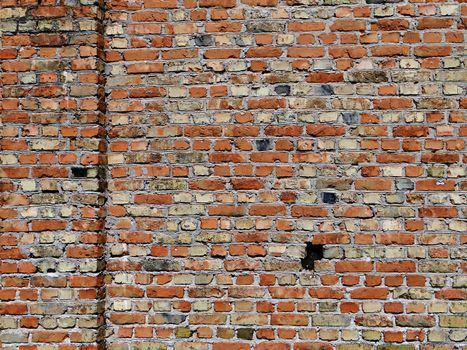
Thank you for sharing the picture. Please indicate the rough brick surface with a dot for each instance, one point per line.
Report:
(232, 175)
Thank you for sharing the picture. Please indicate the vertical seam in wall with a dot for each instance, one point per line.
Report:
(103, 171)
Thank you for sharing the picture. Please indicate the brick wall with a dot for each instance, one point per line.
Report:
(232, 175)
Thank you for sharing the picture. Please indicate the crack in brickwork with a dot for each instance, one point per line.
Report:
(166, 163)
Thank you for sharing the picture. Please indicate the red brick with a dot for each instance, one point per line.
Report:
(264, 52)
(369, 293)
(348, 25)
(354, 266)
(302, 26)
(435, 185)
(222, 53)
(324, 130)
(432, 51)
(411, 131)
(247, 184)
(290, 319)
(303, 52)
(397, 266)
(286, 130)
(373, 184)
(168, 4)
(434, 23)
(217, 3)
(324, 77)
(267, 209)
(309, 211)
(267, 103)
(438, 212)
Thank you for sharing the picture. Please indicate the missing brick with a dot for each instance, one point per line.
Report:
(282, 90)
(204, 40)
(263, 145)
(327, 90)
(79, 172)
(329, 197)
(350, 118)
(313, 252)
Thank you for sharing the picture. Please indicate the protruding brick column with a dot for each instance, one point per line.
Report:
(52, 174)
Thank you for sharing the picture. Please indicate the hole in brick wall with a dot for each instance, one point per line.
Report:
(203, 40)
(327, 90)
(329, 197)
(350, 118)
(79, 172)
(282, 90)
(245, 333)
(263, 145)
(50, 190)
(313, 252)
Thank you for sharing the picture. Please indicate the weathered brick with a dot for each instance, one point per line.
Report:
(415, 321)
(161, 265)
(368, 77)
